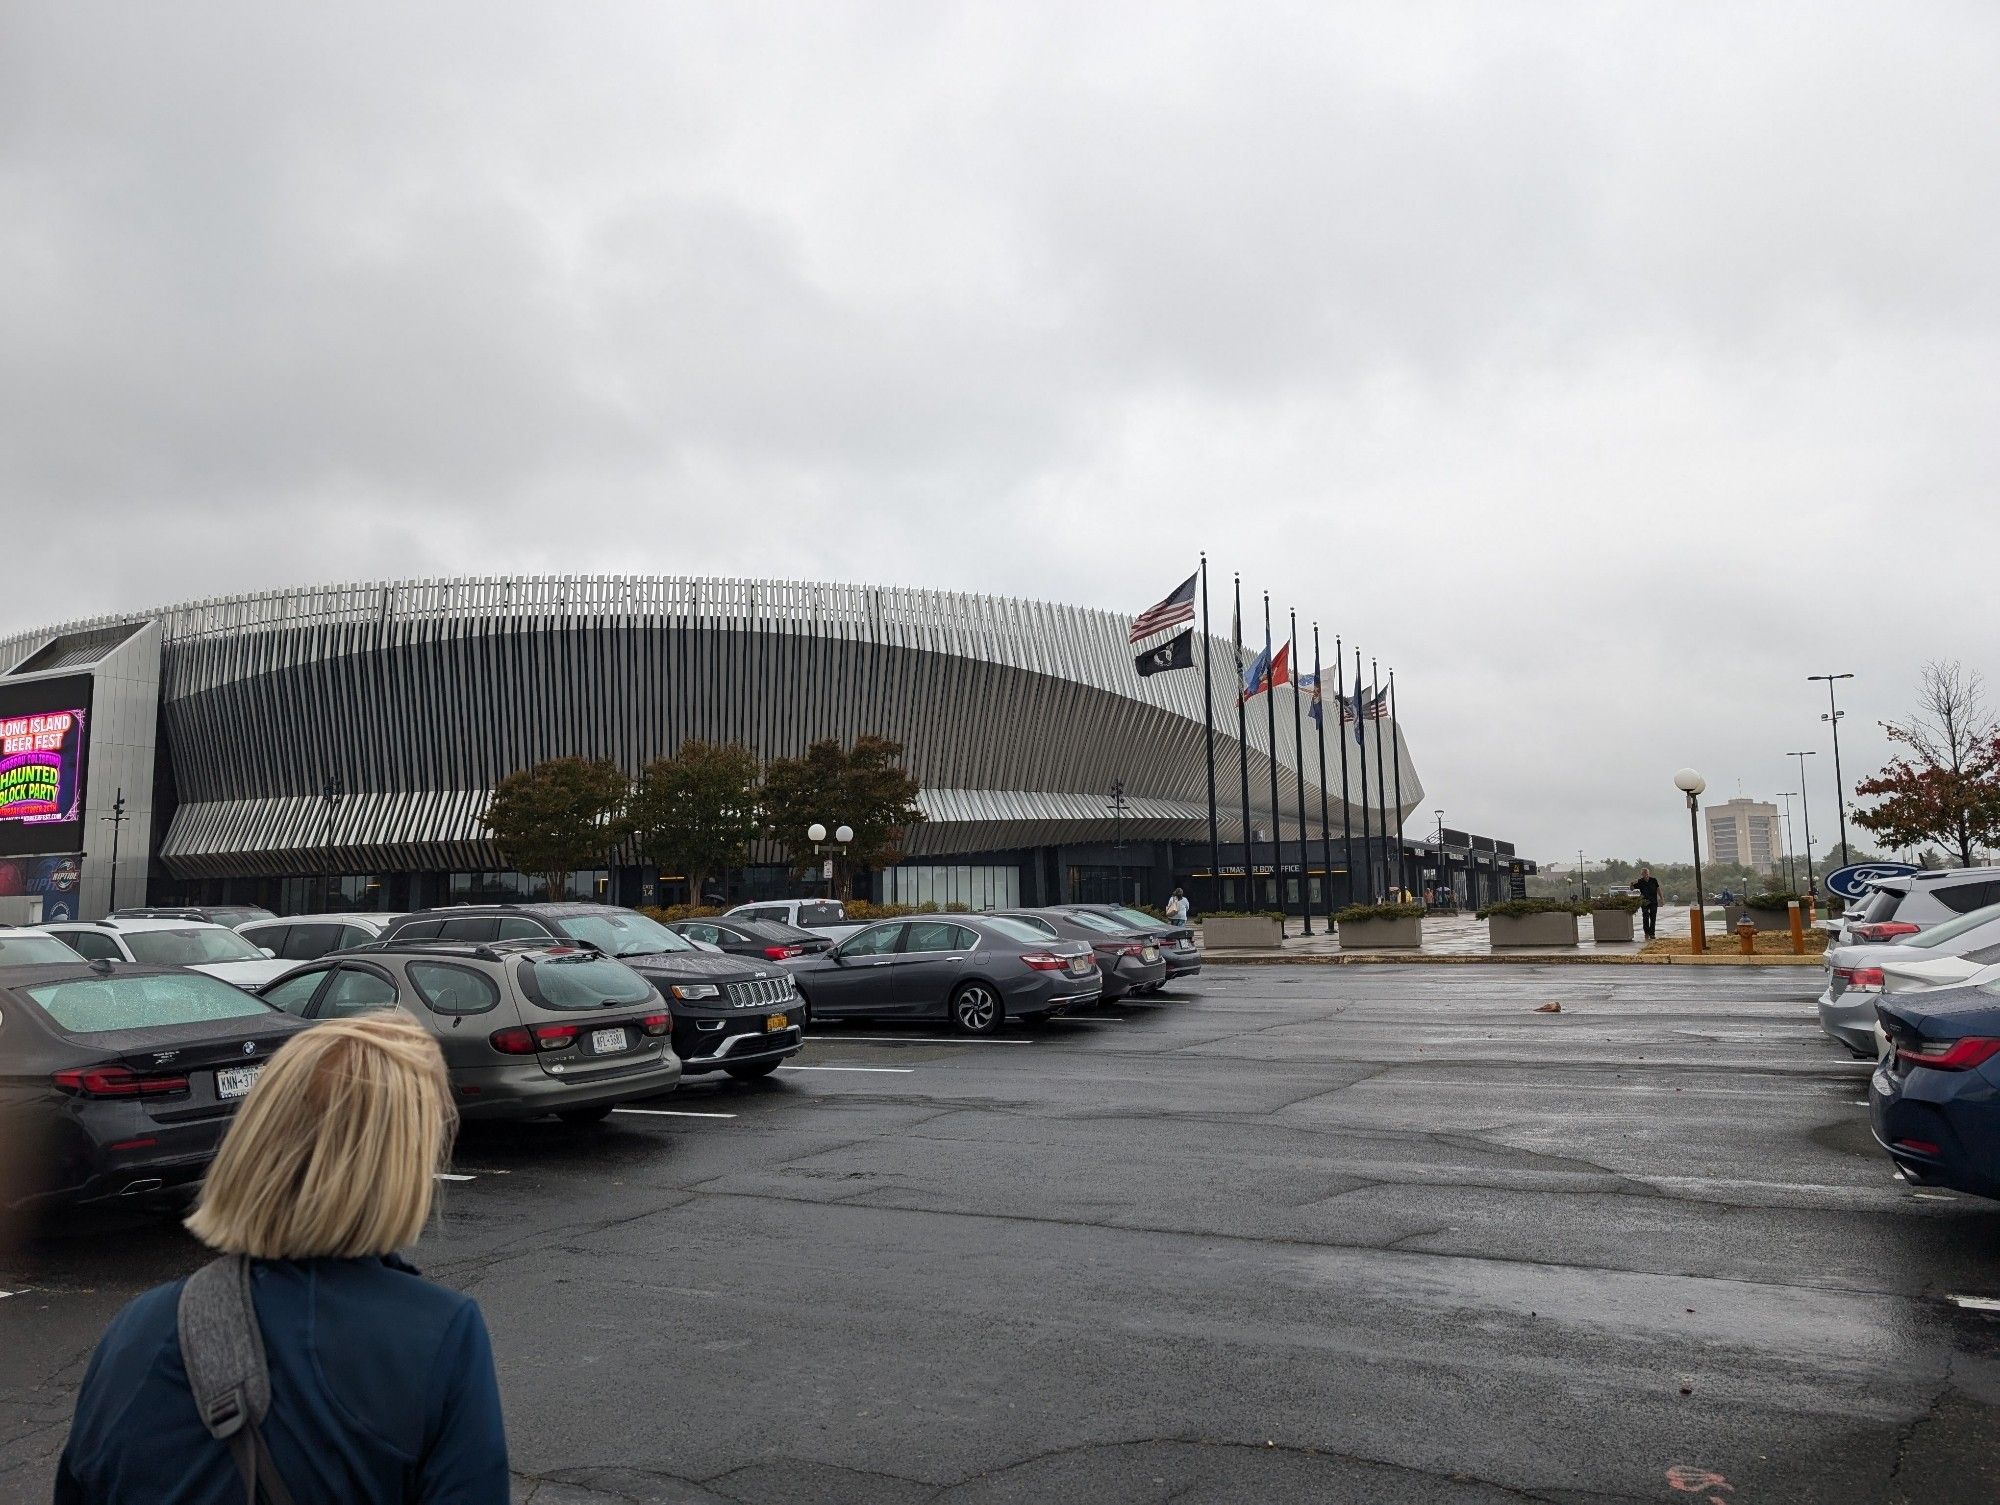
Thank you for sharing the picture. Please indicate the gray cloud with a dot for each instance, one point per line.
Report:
(1607, 368)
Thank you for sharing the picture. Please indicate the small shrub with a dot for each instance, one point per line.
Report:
(675, 912)
(956, 908)
(1609, 903)
(1778, 902)
(1517, 909)
(1356, 914)
(866, 911)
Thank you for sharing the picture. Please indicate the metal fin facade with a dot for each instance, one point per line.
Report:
(1017, 716)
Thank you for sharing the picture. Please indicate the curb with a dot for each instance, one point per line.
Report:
(1480, 959)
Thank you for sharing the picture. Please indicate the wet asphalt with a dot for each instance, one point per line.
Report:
(1296, 1233)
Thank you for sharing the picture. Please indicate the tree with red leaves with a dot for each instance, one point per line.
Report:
(1947, 787)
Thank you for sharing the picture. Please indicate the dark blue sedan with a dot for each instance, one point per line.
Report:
(1935, 1096)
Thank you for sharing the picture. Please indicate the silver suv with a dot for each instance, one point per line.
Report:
(1895, 907)
(527, 1027)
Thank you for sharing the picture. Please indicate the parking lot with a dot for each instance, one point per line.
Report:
(1292, 1233)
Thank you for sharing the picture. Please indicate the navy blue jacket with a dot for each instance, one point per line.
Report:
(382, 1393)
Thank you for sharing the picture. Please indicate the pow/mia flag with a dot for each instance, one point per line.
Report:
(1177, 652)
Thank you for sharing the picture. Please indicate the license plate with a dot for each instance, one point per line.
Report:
(1079, 964)
(604, 1042)
(234, 1081)
(777, 1022)
(1152, 953)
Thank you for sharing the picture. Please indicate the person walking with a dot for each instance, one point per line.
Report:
(1177, 908)
(382, 1388)
(1648, 889)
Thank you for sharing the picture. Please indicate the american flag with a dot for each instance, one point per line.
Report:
(1176, 609)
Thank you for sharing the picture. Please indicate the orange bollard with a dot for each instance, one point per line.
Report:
(1798, 928)
(1697, 933)
(1746, 936)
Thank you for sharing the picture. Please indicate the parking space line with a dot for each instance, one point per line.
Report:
(5, 1294)
(890, 1070)
(1976, 1303)
(672, 1113)
(921, 1040)
(452, 1176)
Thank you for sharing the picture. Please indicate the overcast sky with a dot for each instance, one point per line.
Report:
(1606, 368)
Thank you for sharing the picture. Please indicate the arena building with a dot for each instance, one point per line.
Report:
(333, 747)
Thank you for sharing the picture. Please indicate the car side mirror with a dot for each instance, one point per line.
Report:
(268, 952)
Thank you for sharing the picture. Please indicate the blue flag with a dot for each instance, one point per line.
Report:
(1308, 686)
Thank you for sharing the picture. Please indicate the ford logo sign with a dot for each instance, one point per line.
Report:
(1852, 882)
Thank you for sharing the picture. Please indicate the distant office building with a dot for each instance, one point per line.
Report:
(1745, 832)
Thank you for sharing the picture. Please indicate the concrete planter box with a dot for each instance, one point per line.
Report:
(1763, 919)
(1532, 930)
(1240, 932)
(1610, 925)
(1360, 935)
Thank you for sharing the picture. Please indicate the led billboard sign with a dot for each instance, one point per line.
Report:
(41, 766)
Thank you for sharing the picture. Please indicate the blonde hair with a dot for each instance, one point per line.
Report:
(332, 1153)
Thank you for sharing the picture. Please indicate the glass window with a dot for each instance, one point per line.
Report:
(355, 990)
(453, 990)
(101, 1005)
(94, 945)
(307, 942)
(621, 932)
(519, 928)
(1020, 928)
(354, 935)
(818, 914)
(486, 928)
(294, 992)
(1962, 898)
(935, 935)
(709, 933)
(21, 950)
(417, 930)
(582, 981)
(1953, 928)
(185, 948)
(1137, 918)
(877, 940)
(272, 936)
(1092, 920)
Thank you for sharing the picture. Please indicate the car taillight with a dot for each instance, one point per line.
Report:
(781, 953)
(1864, 979)
(512, 1042)
(556, 1036)
(1044, 961)
(1950, 1055)
(117, 1081)
(657, 1024)
(1884, 930)
(1916, 1146)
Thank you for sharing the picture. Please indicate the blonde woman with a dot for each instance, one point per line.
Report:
(381, 1384)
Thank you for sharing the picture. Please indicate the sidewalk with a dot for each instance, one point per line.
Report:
(1460, 938)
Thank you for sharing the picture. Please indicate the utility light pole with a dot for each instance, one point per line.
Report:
(115, 820)
(1805, 808)
(1832, 718)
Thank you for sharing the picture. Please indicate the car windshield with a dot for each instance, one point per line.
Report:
(620, 932)
(1937, 935)
(20, 950)
(101, 1005)
(1099, 922)
(822, 914)
(1018, 930)
(583, 981)
(190, 947)
(1137, 917)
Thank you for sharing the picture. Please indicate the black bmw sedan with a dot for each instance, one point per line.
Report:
(118, 1079)
(977, 971)
(733, 1014)
(773, 940)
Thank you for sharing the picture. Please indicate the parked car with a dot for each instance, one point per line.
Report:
(1176, 942)
(200, 944)
(1855, 972)
(22, 946)
(231, 915)
(1934, 1100)
(1904, 905)
(1914, 976)
(1129, 963)
(731, 1014)
(304, 938)
(554, 1027)
(977, 971)
(118, 1080)
(771, 939)
(827, 917)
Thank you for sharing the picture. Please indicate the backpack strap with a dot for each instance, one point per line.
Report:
(222, 1348)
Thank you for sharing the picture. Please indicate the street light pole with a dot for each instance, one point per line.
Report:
(1832, 718)
(330, 796)
(1443, 872)
(1691, 784)
(842, 835)
(1791, 865)
(1805, 808)
(117, 819)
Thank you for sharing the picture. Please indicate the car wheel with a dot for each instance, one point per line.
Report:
(585, 1115)
(976, 1010)
(751, 1071)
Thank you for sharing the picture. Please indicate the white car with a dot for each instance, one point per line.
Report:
(25, 946)
(1855, 973)
(824, 917)
(308, 937)
(196, 944)
(1971, 969)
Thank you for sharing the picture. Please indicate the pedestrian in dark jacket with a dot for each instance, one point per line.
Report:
(1648, 889)
(382, 1384)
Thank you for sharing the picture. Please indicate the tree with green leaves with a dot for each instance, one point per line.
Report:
(864, 786)
(697, 812)
(557, 817)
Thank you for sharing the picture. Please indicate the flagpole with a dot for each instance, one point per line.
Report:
(1361, 741)
(1325, 834)
(1208, 726)
(1271, 734)
(1381, 781)
(1346, 801)
(1299, 768)
(1242, 742)
(1396, 746)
